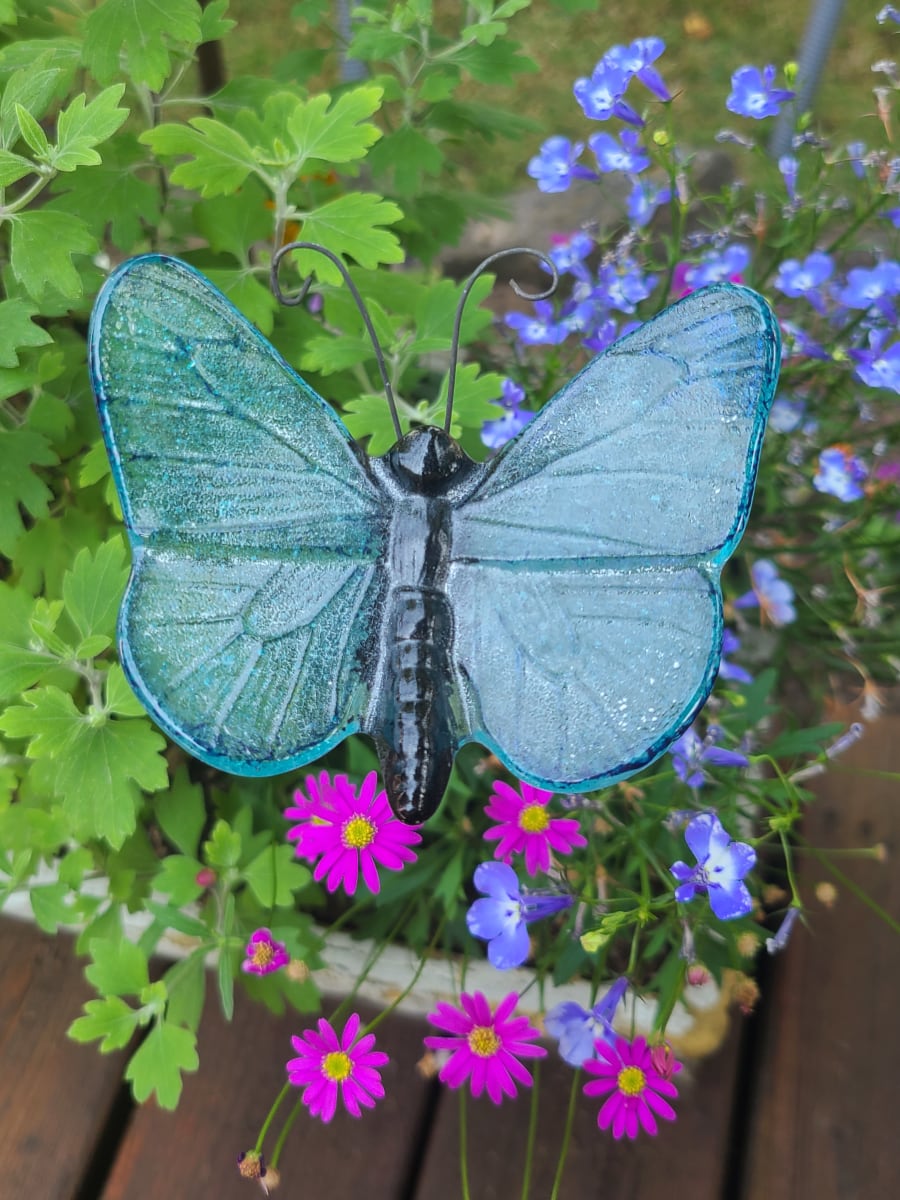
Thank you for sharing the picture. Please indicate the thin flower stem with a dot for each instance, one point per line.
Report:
(376, 1021)
(463, 1146)
(282, 1137)
(279, 1100)
(372, 960)
(532, 1132)
(787, 851)
(856, 890)
(567, 1136)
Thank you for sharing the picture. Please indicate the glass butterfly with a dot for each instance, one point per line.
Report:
(558, 604)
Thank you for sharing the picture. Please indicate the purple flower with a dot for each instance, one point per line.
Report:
(328, 1066)
(635, 1090)
(798, 342)
(569, 252)
(789, 167)
(577, 1029)
(263, 954)
(720, 870)
(777, 943)
(877, 366)
(888, 13)
(773, 595)
(554, 166)
(796, 278)
(728, 670)
(501, 918)
(856, 153)
(619, 154)
(604, 334)
(840, 474)
(787, 415)
(497, 433)
(644, 200)
(636, 58)
(622, 286)
(690, 752)
(871, 287)
(539, 329)
(601, 96)
(524, 826)
(752, 93)
(727, 265)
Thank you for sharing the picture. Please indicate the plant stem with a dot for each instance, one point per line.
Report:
(279, 1100)
(567, 1137)
(532, 1131)
(463, 1146)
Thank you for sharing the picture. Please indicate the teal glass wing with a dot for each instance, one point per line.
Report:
(256, 529)
(585, 573)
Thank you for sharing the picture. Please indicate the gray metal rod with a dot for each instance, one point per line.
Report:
(820, 30)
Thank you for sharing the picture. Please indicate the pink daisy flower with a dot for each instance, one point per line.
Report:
(328, 1066)
(349, 833)
(264, 954)
(630, 1077)
(485, 1046)
(526, 827)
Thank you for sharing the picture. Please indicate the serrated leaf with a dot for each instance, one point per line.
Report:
(173, 918)
(91, 647)
(223, 847)
(368, 417)
(118, 967)
(275, 875)
(335, 133)
(18, 329)
(113, 199)
(158, 1064)
(145, 31)
(32, 133)
(13, 167)
(410, 155)
(181, 812)
(177, 877)
(475, 398)
(108, 1020)
(186, 985)
(220, 158)
(92, 589)
(350, 225)
(82, 126)
(21, 450)
(330, 353)
(232, 224)
(94, 465)
(48, 903)
(213, 22)
(33, 89)
(21, 668)
(42, 243)
(119, 697)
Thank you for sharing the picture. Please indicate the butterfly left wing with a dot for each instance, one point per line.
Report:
(256, 529)
(586, 563)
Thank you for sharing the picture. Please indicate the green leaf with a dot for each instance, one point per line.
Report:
(213, 22)
(119, 697)
(32, 133)
(81, 126)
(251, 297)
(173, 918)
(158, 1064)
(145, 30)
(31, 88)
(232, 224)
(222, 850)
(109, 1019)
(42, 243)
(177, 878)
(368, 416)
(99, 764)
(225, 975)
(92, 589)
(21, 450)
(13, 167)
(338, 133)
(476, 398)
(350, 226)
(181, 812)
(48, 903)
(17, 328)
(118, 967)
(410, 155)
(275, 875)
(186, 985)
(114, 200)
(220, 158)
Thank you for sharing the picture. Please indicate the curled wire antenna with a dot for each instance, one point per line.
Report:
(298, 298)
(469, 284)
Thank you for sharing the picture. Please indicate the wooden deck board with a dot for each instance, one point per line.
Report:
(825, 1121)
(54, 1094)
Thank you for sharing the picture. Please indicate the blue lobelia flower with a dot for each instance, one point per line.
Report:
(577, 1029)
(569, 252)
(636, 58)
(879, 366)
(789, 166)
(719, 267)
(643, 201)
(856, 153)
(501, 918)
(771, 593)
(539, 329)
(497, 433)
(888, 13)
(619, 154)
(805, 279)
(777, 943)
(690, 752)
(720, 870)
(840, 474)
(622, 286)
(871, 287)
(554, 166)
(601, 96)
(753, 94)
(729, 670)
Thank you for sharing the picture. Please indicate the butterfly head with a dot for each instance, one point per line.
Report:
(426, 459)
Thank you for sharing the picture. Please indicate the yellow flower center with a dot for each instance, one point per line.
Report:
(358, 833)
(337, 1066)
(263, 953)
(533, 818)
(631, 1081)
(483, 1041)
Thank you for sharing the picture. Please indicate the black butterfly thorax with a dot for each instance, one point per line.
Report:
(411, 715)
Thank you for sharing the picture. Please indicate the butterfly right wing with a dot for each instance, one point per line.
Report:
(257, 533)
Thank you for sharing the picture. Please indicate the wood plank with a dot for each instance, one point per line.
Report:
(825, 1124)
(225, 1103)
(686, 1158)
(55, 1095)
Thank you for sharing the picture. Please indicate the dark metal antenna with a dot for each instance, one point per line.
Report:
(299, 297)
(479, 270)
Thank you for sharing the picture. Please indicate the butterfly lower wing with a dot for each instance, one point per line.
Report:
(256, 530)
(586, 563)
(650, 451)
(578, 676)
(254, 665)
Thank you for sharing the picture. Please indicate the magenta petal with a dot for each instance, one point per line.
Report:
(660, 1106)
(609, 1110)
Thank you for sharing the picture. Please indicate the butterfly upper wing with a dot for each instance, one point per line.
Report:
(256, 529)
(585, 573)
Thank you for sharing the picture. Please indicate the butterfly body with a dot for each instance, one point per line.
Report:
(559, 604)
